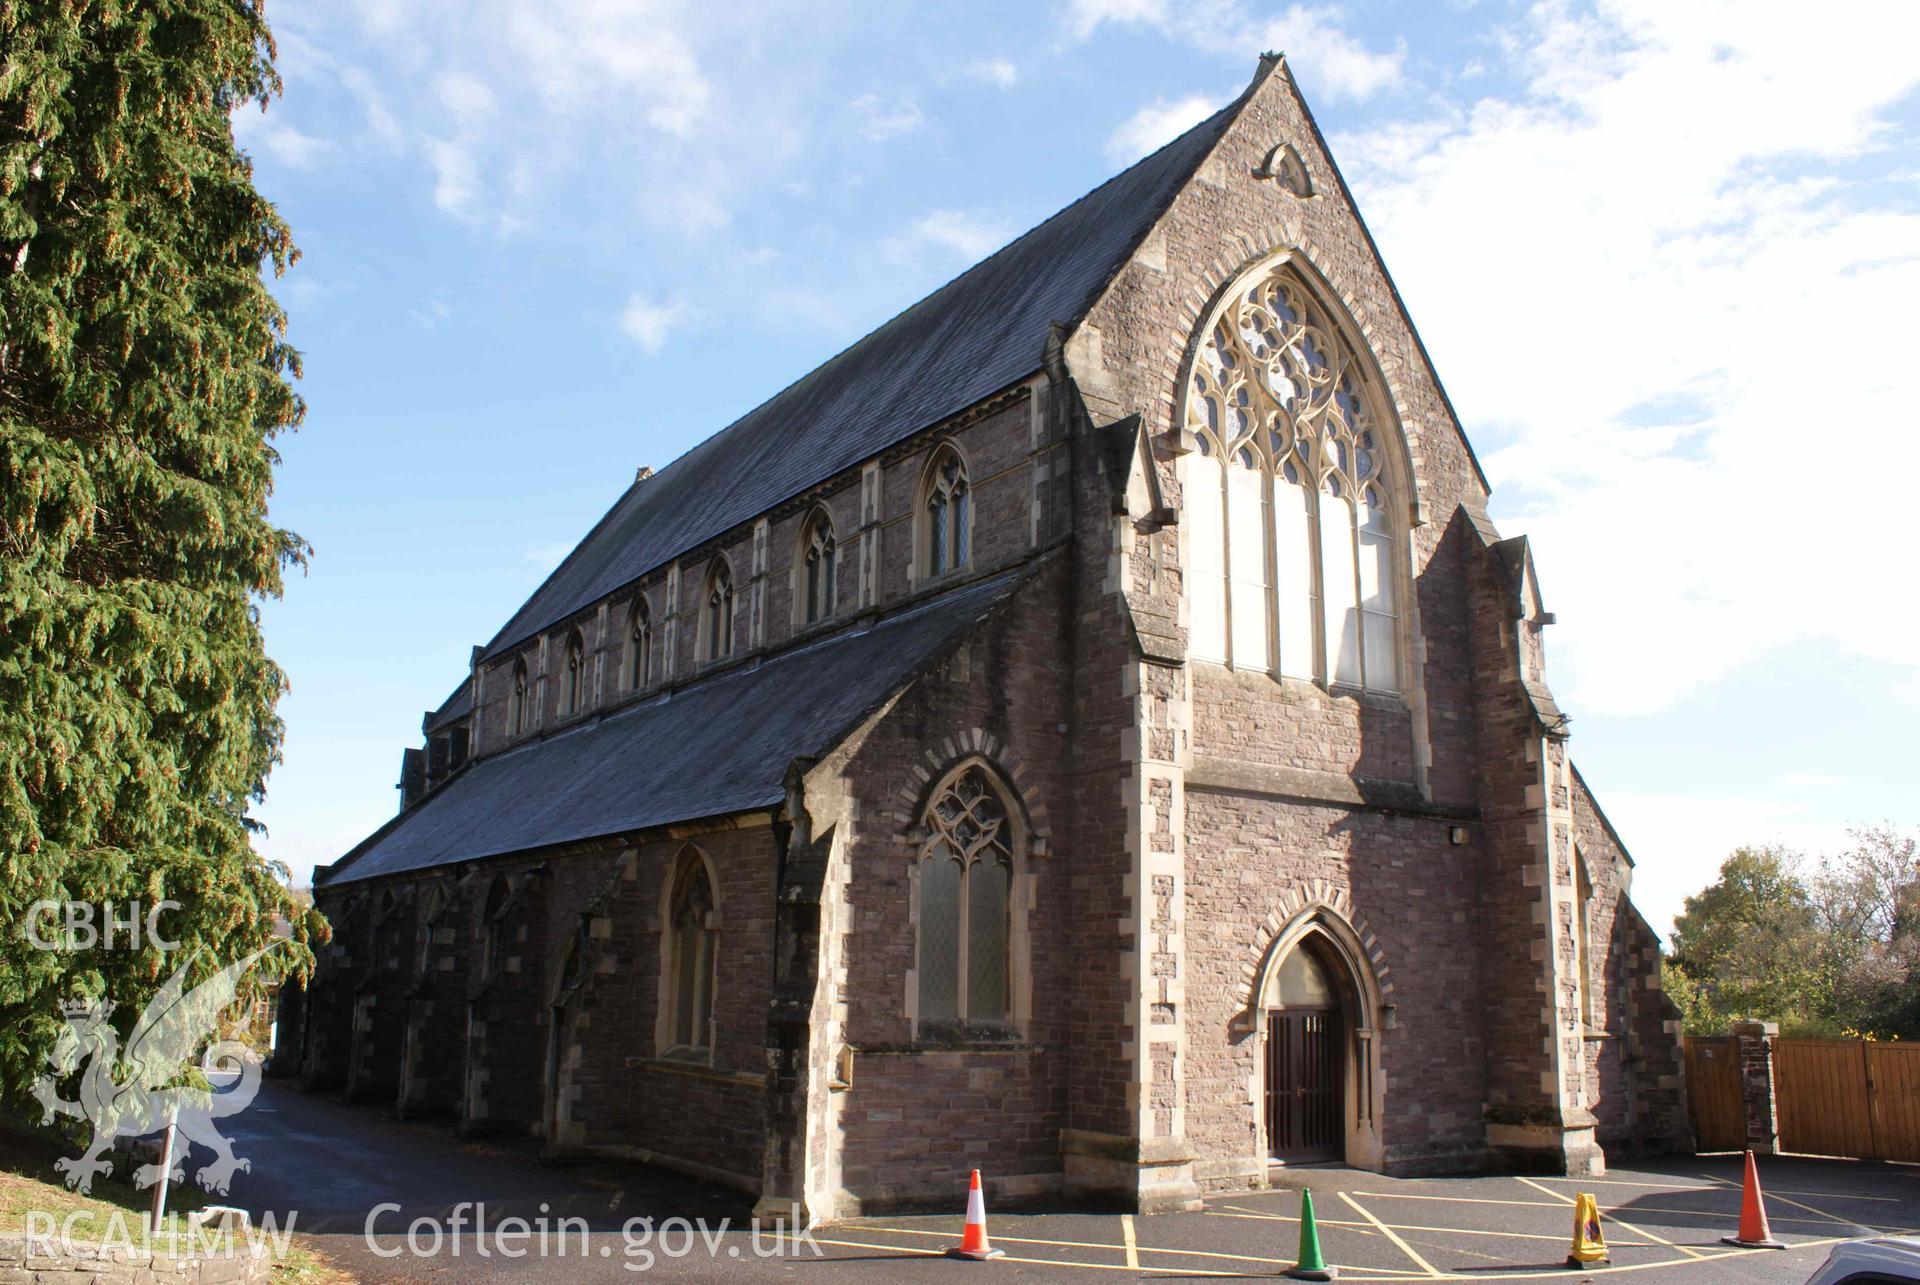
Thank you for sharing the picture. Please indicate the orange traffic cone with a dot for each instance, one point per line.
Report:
(973, 1242)
(1754, 1232)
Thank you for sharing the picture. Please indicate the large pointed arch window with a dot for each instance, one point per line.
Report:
(1290, 558)
(691, 953)
(966, 885)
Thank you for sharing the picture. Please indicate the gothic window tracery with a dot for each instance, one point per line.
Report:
(947, 510)
(639, 646)
(574, 685)
(517, 700)
(1290, 564)
(818, 574)
(716, 621)
(691, 950)
(966, 880)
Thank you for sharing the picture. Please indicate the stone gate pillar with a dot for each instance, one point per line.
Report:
(1756, 1084)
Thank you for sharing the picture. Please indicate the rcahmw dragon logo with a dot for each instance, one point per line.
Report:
(160, 1053)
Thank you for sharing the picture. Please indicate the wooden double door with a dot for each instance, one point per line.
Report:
(1306, 1084)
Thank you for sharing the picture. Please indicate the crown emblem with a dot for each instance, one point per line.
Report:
(84, 1007)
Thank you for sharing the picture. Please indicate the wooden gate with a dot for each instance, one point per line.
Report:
(1820, 1097)
(1713, 1093)
(1893, 1086)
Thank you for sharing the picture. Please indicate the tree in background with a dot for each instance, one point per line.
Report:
(1834, 952)
(1749, 944)
(1869, 903)
(144, 372)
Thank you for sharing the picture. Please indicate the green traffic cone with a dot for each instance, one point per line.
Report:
(1311, 1266)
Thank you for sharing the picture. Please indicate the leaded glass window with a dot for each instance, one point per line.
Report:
(691, 940)
(818, 556)
(966, 893)
(517, 700)
(572, 689)
(491, 927)
(949, 525)
(717, 622)
(1290, 540)
(639, 647)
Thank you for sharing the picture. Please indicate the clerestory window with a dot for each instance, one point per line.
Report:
(573, 684)
(716, 618)
(639, 646)
(946, 509)
(517, 699)
(818, 569)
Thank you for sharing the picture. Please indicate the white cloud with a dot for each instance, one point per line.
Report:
(648, 322)
(1083, 17)
(959, 234)
(1156, 124)
(585, 57)
(510, 102)
(882, 119)
(255, 131)
(1806, 780)
(1678, 329)
(456, 176)
(1328, 60)
(994, 71)
(466, 99)
(430, 314)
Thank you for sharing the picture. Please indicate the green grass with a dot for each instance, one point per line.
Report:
(29, 1184)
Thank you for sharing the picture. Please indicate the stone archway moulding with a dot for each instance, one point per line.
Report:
(1325, 908)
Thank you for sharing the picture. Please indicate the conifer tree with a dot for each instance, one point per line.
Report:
(144, 373)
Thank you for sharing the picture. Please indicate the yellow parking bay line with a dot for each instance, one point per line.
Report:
(1451, 1231)
(1719, 1184)
(1385, 1275)
(1391, 1235)
(1136, 1248)
(1126, 1235)
(1010, 1258)
(1638, 1231)
(1844, 1222)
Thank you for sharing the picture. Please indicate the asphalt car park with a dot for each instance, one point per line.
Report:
(1661, 1223)
(344, 1173)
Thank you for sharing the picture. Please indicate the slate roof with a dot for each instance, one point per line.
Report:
(982, 332)
(718, 746)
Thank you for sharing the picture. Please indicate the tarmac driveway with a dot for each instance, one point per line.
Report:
(486, 1213)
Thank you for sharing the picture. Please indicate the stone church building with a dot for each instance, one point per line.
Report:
(1089, 729)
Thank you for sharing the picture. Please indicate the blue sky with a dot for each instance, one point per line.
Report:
(1663, 255)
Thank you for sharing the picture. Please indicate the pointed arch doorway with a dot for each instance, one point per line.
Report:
(1316, 1078)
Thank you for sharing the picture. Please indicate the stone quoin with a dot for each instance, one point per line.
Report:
(1089, 730)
